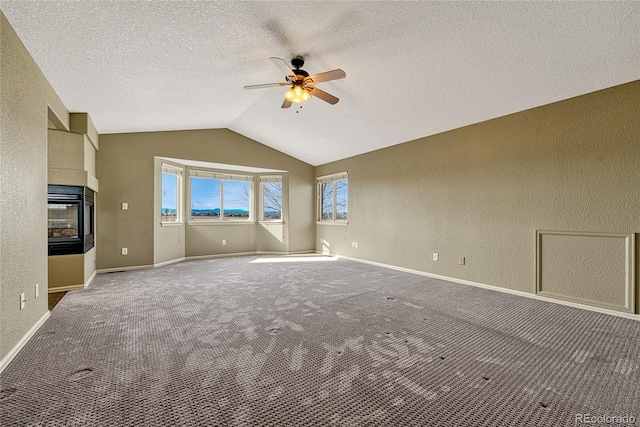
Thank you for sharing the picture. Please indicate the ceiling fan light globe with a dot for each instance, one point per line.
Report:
(297, 94)
(289, 95)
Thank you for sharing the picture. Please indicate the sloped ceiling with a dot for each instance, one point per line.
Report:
(413, 68)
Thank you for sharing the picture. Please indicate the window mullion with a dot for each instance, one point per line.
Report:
(179, 199)
(221, 200)
(335, 199)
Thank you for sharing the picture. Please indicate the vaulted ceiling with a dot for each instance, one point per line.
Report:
(413, 68)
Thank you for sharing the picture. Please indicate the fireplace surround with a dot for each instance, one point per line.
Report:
(70, 219)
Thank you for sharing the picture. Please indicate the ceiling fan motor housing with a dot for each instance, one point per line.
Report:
(298, 62)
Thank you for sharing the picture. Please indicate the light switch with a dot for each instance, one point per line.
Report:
(125, 206)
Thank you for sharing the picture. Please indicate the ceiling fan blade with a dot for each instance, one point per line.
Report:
(282, 66)
(286, 103)
(326, 97)
(267, 85)
(326, 76)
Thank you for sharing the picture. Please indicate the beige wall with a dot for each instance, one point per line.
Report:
(71, 159)
(482, 192)
(128, 172)
(65, 271)
(25, 96)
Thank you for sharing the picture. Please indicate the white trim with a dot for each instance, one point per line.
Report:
(333, 177)
(330, 222)
(301, 252)
(93, 276)
(171, 261)
(66, 288)
(283, 253)
(176, 170)
(220, 175)
(493, 288)
(25, 338)
(189, 258)
(116, 269)
(73, 287)
(220, 166)
(171, 224)
(221, 222)
(270, 178)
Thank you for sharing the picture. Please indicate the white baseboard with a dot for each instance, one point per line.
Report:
(16, 348)
(283, 253)
(116, 269)
(495, 288)
(171, 261)
(66, 288)
(73, 287)
(190, 258)
(93, 276)
(194, 257)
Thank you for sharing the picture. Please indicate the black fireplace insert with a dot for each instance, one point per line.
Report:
(71, 219)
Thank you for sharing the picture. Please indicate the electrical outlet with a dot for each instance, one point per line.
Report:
(436, 257)
(125, 251)
(461, 260)
(37, 290)
(224, 241)
(23, 300)
(125, 206)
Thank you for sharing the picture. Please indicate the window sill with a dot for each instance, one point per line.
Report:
(342, 223)
(218, 222)
(171, 224)
(271, 222)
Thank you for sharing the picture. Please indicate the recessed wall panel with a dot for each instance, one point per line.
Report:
(588, 268)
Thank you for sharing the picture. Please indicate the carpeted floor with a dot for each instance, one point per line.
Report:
(253, 341)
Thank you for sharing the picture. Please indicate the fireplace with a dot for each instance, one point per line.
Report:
(71, 219)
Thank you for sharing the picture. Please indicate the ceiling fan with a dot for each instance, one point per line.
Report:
(302, 84)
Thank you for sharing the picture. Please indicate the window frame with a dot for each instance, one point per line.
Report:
(222, 177)
(270, 179)
(333, 179)
(178, 171)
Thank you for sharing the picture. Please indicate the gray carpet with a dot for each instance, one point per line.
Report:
(235, 342)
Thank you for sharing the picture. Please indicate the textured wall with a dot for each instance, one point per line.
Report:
(24, 96)
(482, 191)
(125, 168)
(573, 266)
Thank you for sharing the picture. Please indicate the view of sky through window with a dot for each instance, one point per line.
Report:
(169, 197)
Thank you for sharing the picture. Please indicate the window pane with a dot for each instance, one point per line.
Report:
(205, 198)
(169, 197)
(342, 198)
(326, 208)
(271, 201)
(236, 199)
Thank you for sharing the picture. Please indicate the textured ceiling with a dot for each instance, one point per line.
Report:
(413, 68)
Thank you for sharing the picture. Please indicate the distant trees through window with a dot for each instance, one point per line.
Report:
(215, 198)
(220, 195)
(271, 197)
(333, 197)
